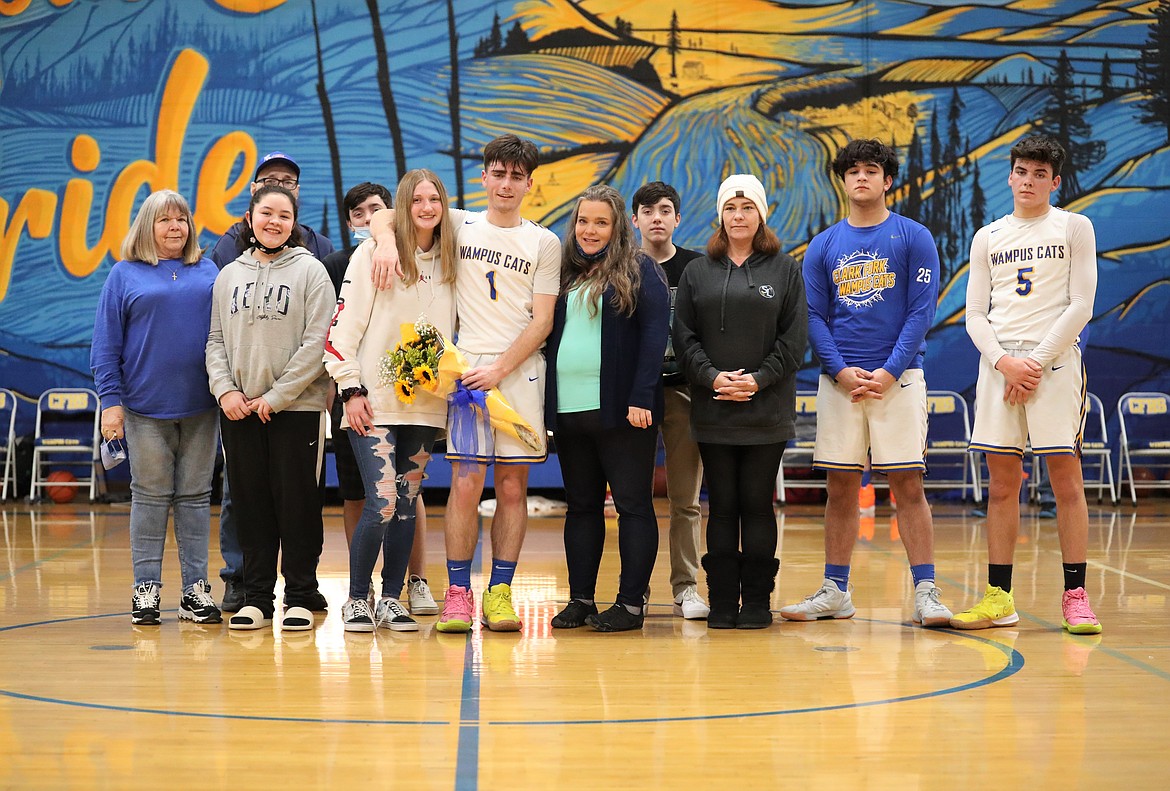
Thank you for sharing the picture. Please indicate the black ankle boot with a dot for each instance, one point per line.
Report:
(758, 580)
(723, 586)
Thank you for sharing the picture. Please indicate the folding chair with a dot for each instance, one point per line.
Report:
(1096, 455)
(799, 453)
(950, 464)
(7, 442)
(1144, 420)
(67, 436)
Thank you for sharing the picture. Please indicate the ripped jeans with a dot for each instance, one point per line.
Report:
(392, 460)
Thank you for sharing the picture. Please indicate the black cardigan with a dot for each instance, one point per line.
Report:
(631, 351)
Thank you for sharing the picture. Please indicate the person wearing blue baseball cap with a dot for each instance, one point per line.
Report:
(276, 169)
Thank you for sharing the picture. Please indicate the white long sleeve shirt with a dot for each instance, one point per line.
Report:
(1031, 284)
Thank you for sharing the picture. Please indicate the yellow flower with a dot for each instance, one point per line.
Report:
(425, 376)
(409, 335)
(404, 391)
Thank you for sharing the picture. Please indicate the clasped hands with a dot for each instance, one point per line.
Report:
(238, 406)
(863, 384)
(734, 386)
(1022, 377)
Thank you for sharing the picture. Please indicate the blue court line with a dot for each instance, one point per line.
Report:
(1053, 627)
(174, 712)
(211, 715)
(467, 756)
(1015, 665)
(467, 752)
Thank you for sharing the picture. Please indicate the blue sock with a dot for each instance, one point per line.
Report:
(922, 572)
(502, 571)
(838, 574)
(459, 573)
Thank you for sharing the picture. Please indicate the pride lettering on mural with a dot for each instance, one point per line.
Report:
(215, 188)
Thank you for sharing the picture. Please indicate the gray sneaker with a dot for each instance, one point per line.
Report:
(419, 594)
(828, 602)
(928, 610)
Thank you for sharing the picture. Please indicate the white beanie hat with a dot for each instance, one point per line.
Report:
(742, 185)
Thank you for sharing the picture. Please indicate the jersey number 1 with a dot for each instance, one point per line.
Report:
(491, 279)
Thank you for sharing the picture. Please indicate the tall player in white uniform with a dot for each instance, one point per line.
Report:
(505, 291)
(1030, 292)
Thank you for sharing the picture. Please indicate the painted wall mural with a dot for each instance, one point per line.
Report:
(101, 102)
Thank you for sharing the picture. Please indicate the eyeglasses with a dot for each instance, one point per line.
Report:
(270, 181)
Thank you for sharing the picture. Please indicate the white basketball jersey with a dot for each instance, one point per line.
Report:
(1030, 262)
(499, 271)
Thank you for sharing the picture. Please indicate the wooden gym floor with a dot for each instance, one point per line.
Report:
(89, 701)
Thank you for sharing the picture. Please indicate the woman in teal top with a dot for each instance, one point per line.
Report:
(603, 401)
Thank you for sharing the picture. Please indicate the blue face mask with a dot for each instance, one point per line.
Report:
(361, 234)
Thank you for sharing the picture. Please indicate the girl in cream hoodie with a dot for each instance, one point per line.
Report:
(391, 439)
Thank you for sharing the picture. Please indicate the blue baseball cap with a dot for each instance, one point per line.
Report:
(277, 157)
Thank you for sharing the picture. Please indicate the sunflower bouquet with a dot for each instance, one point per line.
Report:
(425, 360)
(413, 364)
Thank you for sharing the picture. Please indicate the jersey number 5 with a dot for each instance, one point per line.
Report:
(491, 279)
(1025, 287)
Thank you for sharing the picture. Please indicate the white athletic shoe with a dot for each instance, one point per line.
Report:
(828, 602)
(690, 605)
(928, 610)
(421, 600)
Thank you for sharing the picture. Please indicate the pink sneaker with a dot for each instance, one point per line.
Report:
(458, 610)
(1078, 615)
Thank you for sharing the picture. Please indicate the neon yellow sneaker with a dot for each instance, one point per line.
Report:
(998, 608)
(498, 614)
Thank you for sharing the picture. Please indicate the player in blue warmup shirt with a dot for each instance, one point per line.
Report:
(872, 286)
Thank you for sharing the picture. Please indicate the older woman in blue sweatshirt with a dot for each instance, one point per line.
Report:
(603, 401)
(148, 364)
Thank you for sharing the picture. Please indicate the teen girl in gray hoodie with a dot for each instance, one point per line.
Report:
(271, 308)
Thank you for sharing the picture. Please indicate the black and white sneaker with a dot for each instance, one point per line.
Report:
(198, 606)
(391, 615)
(145, 604)
(357, 616)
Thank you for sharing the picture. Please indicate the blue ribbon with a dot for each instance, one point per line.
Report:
(464, 408)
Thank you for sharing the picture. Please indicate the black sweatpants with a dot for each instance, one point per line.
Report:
(272, 469)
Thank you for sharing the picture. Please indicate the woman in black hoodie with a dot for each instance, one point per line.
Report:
(740, 328)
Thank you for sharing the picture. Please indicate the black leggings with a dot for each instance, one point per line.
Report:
(623, 457)
(741, 480)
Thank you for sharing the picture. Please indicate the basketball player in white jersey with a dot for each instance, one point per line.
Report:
(505, 291)
(1030, 291)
